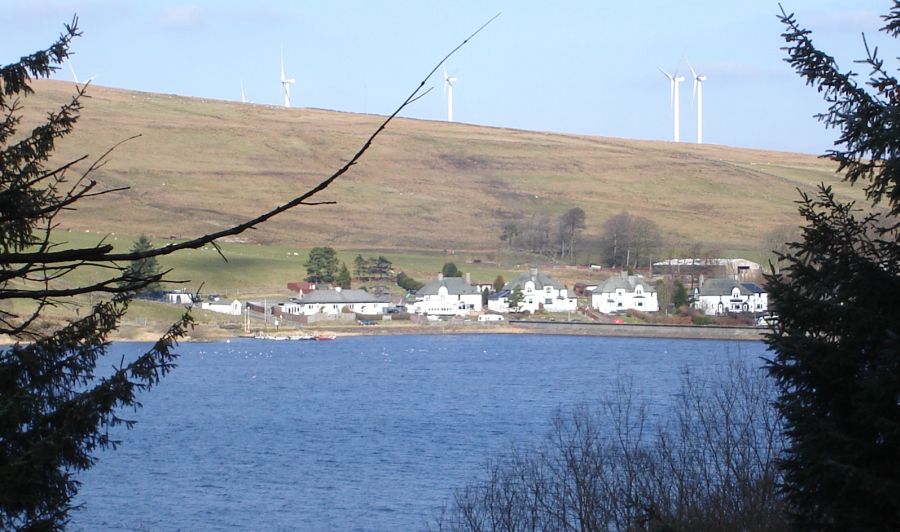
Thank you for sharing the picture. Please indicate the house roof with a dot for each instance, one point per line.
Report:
(629, 284)
(540, 280)
(341, 296)
(723, 287)
(455, 286)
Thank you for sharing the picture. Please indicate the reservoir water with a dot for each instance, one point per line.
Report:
(362, 433)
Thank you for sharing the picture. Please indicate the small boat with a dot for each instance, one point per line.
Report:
(324, 337)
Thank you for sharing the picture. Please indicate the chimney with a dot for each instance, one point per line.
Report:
(441, 276)
(534, 272)
(701, 279)
(468, 278)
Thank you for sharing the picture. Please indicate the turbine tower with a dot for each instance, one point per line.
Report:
(72, 68)
(244, 98)
(674, 80)
(698, 93)
(286, 83)
(448, 89)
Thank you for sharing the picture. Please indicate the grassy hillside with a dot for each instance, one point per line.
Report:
(200, 165)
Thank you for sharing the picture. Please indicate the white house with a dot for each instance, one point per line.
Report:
(451, 296)
(622, 293)
(233, 309)
(335, 302)
(539, 292)
(721, 296)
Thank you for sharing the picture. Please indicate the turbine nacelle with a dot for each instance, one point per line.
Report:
(448, 90)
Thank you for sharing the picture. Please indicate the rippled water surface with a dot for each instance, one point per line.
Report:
(365, 433)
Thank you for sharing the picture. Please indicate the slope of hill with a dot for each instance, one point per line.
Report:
(201, 164)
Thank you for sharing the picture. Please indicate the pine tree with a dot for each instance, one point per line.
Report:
(322, 266)
(55, 412)
(343, 277)
(144, 267)
(836, 343)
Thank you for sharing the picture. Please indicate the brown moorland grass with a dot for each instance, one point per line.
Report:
(200, 165)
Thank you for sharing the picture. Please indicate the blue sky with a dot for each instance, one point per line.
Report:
(584, 67)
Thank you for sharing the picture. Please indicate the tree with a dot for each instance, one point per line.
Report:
(380, 267)
(408, 283)
(450, 270)
(680, 296)
(629, 240)
(55, 411)
(360, 267)
(144, 267)
(343, 276)
(709, 463)
(322, 265)
(836, 343)
(509, 232)
(515, 299)
(570, 224)
(499, 283)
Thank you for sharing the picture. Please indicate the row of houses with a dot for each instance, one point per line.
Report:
(714, 297)
(536, 291)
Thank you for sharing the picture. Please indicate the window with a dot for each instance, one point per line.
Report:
(640, 303)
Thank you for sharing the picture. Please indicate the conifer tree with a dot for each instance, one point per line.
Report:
(836, 343)
(55, 411)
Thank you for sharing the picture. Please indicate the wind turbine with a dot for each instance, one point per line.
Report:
(286, 83)
(243, 98)
(698, 93)
(674, 80)
(74, 75)
(448, 89)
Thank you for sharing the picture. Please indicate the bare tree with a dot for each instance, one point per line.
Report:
(708, 465)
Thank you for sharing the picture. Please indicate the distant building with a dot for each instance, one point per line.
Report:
(740, 269)
(179, 297)
(622, 293)
(335, 302)
(539, 291)
(722, 296)
(447, 296)
(235, 308)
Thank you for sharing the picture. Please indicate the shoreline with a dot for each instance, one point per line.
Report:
(203, 333)
(673, 331)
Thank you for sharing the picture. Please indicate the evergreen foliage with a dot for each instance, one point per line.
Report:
(322, 265)
(144, 267)
(408, 283)
(499, 283)
(54, 410)
(343, 277)
(836, 343)
(515, 299)
(450, 270)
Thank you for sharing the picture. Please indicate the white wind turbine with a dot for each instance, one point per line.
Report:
(698, 93)
(244, 98)
(286, 83)
(674, 80)
(74, 75)
(448, 89)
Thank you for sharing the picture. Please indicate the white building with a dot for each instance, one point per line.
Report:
(539, 292)
(232, 309)
(622, 293)
(451, 296)
(336, 301)
(721, 296)
(179, 297)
